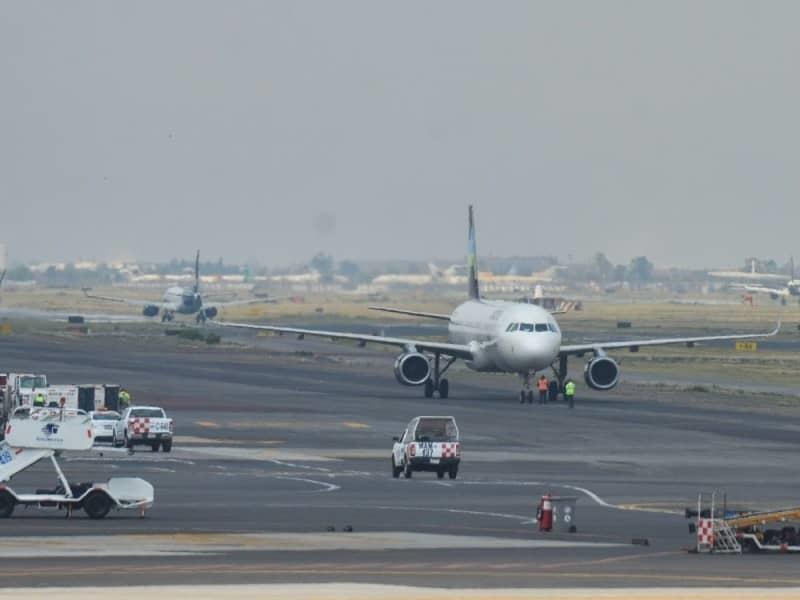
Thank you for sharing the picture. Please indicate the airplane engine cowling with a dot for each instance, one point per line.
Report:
(412, 368)
(601, 373)
(151, 310)
(210, 312)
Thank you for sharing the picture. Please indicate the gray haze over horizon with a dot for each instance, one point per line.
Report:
(271, 130)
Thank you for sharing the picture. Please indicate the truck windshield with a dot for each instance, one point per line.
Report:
(32, 381)
(153, 413)
(436, 430)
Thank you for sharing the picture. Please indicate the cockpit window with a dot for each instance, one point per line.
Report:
(512, 327)
(541, 327)
(553, 327)
(526, 326)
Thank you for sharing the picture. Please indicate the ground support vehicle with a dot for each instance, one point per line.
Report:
(722, 531)
(143, 426)
(44, 433)
(428, 444)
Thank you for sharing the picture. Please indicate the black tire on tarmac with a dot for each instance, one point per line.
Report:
(128, 443)
(7, 504)
(407, 472)
(452, 473)
(154, 447)
(439, 474)
(429, 389)
(444, 389)
(97, 505)
(166, 446)
(396, 470)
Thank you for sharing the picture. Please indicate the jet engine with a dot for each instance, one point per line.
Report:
(210, 312)
(601, 373)
(412, 368)
(151, 310)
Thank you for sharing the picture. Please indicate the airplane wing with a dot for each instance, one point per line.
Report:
(413, 313)
(689, 341)
(760, 289)
(269, 300)
(455, 350)
(130, 301)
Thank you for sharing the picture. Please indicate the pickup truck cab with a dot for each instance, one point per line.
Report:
(427, 444)
(143, 426)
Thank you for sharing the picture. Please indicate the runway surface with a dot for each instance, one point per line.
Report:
(275, 446)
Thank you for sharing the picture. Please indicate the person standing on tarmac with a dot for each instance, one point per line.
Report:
(569, 392)
(543, 385)
(124, 398)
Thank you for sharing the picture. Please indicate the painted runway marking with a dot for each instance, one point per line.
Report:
(328, 487)
(296, 466)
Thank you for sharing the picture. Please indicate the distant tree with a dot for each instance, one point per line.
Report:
(323, 264)
(20, 273)
(602, 267)
(620, 272)
(349, 269)
(640, 270)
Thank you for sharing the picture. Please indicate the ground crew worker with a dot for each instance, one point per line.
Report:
(569, 392)
(543, 386)
(38, 400)
(124, 398)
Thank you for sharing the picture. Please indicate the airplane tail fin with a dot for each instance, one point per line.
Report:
(197, 272)
(472, 260)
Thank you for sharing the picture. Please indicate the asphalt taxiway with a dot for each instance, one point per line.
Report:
(278, 452)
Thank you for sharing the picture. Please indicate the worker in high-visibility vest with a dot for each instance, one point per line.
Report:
(569, 392)
(38, 400)
(124, 398)
(543, 385)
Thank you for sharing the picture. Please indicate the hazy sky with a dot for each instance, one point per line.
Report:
(271, 130)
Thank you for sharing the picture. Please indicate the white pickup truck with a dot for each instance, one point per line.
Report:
(427, 444)
(143, 426)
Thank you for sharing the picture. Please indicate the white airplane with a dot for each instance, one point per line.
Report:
(791, 289)
(181, 300)
(496, 336)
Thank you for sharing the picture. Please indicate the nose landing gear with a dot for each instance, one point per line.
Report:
(526, 393)
(167, 316)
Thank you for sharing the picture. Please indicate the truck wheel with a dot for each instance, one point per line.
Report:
(407, 470)
(114, 442)
(97, 505)
(444, 389)
(154, 447)
(128, 443)
(439, 474)
(453, 473)
(429, 389)
(395, 469)
(166, 446)
(7, 503)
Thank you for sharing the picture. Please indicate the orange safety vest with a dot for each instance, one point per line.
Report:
(543, 385)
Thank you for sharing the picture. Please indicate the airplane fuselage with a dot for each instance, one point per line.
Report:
(506, 336)
(185, 301)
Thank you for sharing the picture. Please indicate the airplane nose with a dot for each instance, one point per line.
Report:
(532, 352)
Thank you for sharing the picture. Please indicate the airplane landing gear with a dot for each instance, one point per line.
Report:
(560, 373)
(436, 383)
(526, 393)
(167, 316)
(200, 318)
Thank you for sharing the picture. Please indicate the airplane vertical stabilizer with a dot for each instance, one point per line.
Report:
(472, 260)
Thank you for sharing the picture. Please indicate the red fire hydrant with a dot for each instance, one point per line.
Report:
(544, 514)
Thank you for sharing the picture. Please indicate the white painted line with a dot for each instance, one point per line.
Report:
(328, 487)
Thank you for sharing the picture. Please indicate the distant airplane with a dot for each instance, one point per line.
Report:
(496, 336)
(181, 300)
(790, 290)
